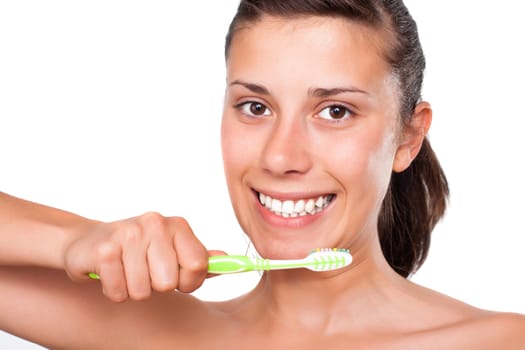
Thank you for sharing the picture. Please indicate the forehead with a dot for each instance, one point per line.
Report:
(308, 48)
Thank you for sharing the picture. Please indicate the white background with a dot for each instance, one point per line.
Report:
(112, 108)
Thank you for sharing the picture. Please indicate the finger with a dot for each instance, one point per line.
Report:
(192, 258)
(216, 252)
(111, 272)
(77, 271)
(163, 265)
(135, 262)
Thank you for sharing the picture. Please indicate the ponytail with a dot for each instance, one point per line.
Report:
(415, 201)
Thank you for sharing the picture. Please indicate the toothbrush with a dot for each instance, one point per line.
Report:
(321, 259)
(325, 259)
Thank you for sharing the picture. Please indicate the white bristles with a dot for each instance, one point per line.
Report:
(326, 259)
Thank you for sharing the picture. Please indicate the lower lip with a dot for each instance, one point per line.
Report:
(282, 222)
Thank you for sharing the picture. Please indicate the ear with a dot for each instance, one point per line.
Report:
(412, 137)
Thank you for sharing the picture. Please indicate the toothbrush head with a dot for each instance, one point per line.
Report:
(327, 259)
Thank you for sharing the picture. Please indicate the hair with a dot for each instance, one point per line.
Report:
(416, 198)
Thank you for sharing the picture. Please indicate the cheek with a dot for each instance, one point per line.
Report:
(238, 149)
(229, 145)
(379, 165)
(363, 161)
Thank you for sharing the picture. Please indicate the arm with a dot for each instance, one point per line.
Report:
(134, 257)
(36, 235)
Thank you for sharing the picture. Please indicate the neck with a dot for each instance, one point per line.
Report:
(324, 300)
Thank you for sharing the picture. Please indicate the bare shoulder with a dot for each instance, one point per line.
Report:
(487, 331)
(503, 329)
(448, 323)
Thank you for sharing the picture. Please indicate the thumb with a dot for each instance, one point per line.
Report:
(216, 252)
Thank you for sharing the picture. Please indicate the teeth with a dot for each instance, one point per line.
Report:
(268, 202)
(288, 207)
(299, 206)
(276, 205)
(310, 206)
(262, 198)
(292, 209)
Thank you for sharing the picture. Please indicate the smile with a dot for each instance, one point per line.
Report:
(292, 209)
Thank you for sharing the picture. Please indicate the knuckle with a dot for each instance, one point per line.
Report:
(185, 288)
(140, 295)
(154, 225)
(180, 221)
(117, 296)
(108, 251)
(152, 220)
(131, 232)
(196, 265)
(164, 286)
(191, 287)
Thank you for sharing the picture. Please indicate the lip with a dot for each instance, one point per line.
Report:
(289, 223)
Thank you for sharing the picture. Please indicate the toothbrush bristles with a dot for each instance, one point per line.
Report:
(324, 259)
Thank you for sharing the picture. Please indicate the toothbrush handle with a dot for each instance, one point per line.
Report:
(221, 264)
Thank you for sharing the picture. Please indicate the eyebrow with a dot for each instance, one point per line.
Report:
(314, 92)
(255, 88)
(322, 92)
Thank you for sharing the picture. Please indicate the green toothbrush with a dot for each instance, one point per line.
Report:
(321, 259)
(318, 260)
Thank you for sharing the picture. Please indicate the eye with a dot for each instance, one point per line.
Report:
(253, 109)
(335, 112)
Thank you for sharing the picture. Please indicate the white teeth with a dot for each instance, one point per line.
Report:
(276, 205)
(288, 207)
(310, 206)
(262, 197)
(293, 209)
(299, 206)
(268, 202)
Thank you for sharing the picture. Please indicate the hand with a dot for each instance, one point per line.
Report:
(136, 256)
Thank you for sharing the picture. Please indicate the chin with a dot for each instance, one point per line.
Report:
(284, 250)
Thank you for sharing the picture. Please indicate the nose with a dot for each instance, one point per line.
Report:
(286, 150)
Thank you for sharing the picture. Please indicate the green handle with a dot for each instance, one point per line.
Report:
(93, 276)
(219, 264)
(230, 264)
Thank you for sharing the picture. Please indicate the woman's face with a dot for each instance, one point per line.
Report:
(308, 133)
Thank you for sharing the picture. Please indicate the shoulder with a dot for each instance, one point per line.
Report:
(486, 330)
(454, 324)
(504, 329)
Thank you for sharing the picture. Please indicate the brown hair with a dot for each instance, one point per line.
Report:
(417, 197)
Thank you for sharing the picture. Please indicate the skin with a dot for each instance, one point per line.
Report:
(279, 139)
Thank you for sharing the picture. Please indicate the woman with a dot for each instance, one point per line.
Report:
(322, 101)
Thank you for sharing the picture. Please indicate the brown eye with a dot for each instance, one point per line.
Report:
(335, 112)
(254, 109)
(257, 108)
